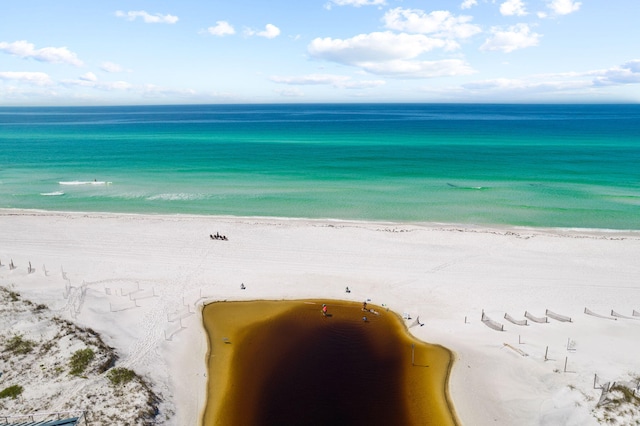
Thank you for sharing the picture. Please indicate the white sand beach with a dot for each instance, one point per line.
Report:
(146, 277)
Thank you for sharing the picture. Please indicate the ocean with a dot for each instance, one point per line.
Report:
(569, 166)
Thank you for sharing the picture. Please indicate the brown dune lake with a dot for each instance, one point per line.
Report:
(285, 363)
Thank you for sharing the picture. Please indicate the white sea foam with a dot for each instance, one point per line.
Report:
(52, 194)
(82, 182)
(182, 196)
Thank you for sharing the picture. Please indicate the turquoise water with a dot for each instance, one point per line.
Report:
(531, 165)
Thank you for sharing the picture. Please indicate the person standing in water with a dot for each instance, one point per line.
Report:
(324, 310)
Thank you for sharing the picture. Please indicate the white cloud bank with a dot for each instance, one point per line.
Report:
(627, 73)
(31, 78)
(54, 55)
(558, 84)
(148, 18)
(338, 81)
(90, 80)
(515, 37)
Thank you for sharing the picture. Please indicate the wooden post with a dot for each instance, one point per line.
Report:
(595, 378)
(546, 352)
(566, 358)
(519, 341)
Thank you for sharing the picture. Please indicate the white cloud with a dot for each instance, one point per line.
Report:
(26, 50)
(111, 67)
(526, 85)
(33, 78)
(147, 17)
(89, 77)
(378, 46)
(311, 79)
(516, 37)
(221, 29)
(338, 81)
(355, 3)
(627, 73)
(90, 80)
(389, 54)
(564, 7)
(270, 31)
(440, 23)
(513, 7)
(153, 91)
(561, 84)
(468, 4)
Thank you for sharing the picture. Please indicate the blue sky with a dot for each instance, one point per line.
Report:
(79, 52)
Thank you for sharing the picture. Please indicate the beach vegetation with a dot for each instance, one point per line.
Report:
(119, 376)
(19, 345)
(80, 360)
(625, 395)
(13, 296)
(11, 392)
(46, 346)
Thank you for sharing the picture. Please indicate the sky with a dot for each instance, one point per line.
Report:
(122, 52)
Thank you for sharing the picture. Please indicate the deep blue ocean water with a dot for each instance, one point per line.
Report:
(529, 165)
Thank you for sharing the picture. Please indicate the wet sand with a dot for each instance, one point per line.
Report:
(284, 363)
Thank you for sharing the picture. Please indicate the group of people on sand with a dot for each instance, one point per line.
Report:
(364, 309)
(218, 237)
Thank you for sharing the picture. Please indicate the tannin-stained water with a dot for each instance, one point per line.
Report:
(285, 363)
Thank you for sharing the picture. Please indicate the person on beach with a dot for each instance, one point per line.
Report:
(324, 310)
(364, 305)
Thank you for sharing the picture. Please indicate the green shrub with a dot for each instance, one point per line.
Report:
(11, 392)
(14, 296)
(18, 345)
(80, 360)
(119, 376)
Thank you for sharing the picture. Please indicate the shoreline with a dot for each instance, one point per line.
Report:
(444, 274)
(440, 226)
